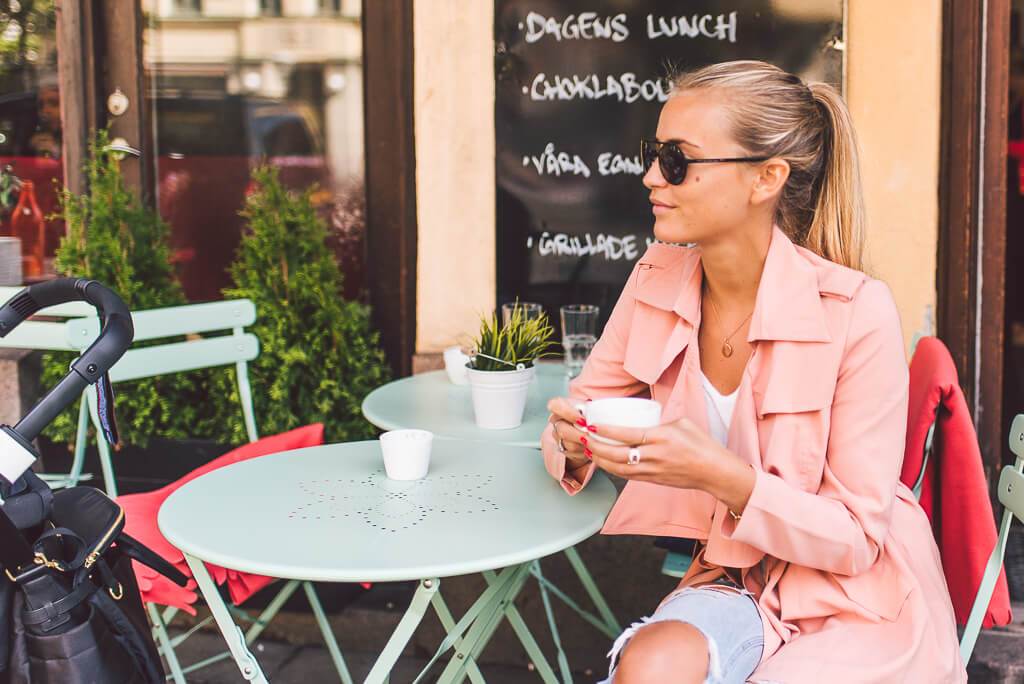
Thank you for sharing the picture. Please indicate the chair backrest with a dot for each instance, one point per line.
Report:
(49, 335)
(1011, 495)
(177, 355)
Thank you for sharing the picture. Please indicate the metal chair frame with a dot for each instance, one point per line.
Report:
(189, 350)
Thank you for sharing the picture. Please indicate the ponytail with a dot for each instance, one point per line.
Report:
(775, 114)
(837, 231)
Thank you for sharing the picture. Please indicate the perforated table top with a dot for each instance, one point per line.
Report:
(329, 513)
(429, 401)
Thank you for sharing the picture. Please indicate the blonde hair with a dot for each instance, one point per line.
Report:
(775, 114)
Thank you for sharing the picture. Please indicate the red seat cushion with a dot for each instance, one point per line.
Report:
(140, 523)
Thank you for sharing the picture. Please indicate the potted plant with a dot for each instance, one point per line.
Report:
(501, 367)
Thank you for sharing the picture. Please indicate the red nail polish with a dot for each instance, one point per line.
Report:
(590, 400)
(581, 422)
(588, 453)
(583, 440)
(592, 428)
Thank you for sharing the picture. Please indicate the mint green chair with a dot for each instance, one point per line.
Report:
(1011, 495)
(186, 350)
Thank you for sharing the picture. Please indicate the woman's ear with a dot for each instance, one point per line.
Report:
(769, 181)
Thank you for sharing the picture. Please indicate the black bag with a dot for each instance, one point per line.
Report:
(70, 609)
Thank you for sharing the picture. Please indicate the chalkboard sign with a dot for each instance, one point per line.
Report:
(577, 85)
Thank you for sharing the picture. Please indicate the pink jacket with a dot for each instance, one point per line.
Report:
(838, 553)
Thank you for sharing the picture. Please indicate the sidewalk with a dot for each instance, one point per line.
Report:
(291, 650)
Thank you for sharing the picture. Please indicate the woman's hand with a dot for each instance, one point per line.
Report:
(678, 454)
(569, 429)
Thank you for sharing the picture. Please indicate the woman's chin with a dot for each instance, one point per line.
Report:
(666, 231)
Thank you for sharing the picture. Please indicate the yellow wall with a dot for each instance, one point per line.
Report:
(893, 92)
(454, 104)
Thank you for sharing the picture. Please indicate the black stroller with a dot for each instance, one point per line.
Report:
(70, 610)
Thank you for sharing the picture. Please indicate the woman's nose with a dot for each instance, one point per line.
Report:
(653, 178)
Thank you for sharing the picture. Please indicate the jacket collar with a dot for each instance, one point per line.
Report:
(788, 304)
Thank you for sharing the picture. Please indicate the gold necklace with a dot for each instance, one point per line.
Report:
(726, 347)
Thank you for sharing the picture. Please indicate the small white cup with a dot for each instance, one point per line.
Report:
(455, 361)
(406, 453)
(624, 411)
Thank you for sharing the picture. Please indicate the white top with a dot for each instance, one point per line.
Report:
(719, 407)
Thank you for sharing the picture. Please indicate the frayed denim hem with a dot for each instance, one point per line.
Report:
(742, 638)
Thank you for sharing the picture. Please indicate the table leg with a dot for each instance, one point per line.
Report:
(244, 658)
(563, 662)
(403, 632)
(327, 632)
(487, 603)
(613, 628)
(607, 624)
(489, 613)
(526, 638)
(448, 622)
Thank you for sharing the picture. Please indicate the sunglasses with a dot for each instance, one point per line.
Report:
(673, 162)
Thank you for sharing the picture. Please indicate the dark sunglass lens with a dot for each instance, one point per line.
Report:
(648, 153)
(673, 164)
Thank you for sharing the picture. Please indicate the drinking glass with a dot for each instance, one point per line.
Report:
(529, 310)
(579, 333)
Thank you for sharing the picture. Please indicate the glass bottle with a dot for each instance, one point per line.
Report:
(27, 224)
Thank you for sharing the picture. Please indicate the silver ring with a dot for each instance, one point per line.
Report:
(634, 456)
(560, 444)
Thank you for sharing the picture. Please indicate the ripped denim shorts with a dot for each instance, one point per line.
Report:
(728, 619)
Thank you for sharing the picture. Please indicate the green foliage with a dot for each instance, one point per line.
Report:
(318, 357)
(113, 237)
(24, 32)
(523, 340)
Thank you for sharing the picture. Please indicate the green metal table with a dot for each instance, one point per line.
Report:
(429, 401)
(329, 513)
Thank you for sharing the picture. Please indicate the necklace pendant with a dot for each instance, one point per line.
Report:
(726, 349)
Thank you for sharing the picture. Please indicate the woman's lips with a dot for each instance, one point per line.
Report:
(660, 207)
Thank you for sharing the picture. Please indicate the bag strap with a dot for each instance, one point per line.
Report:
(60, 607)
(15, 552)
(143, 554)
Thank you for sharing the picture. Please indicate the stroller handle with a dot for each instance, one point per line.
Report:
(115, 337)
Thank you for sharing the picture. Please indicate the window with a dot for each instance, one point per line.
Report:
(187, 6)
(330, 6)
(270, 8)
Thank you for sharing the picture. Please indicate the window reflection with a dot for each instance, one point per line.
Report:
(30, 137)
(284, 85)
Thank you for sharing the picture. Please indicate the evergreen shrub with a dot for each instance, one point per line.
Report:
(115, 238)
(319, 357)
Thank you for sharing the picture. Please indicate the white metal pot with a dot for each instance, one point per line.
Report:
(499, 397)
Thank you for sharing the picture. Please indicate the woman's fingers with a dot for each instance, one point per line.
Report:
(626, 435)
(566, 408)
(570, 435)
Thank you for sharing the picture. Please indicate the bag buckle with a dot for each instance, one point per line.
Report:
(39, 561)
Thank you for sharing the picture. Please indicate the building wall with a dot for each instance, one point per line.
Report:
(893, 78)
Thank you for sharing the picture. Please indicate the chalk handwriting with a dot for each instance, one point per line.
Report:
(554, 163)
(582, 26)
(721, 27)
(625, 87)
(609, 164)
(610, 247)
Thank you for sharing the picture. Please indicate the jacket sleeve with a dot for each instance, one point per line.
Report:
(603, 375)
(842, 527)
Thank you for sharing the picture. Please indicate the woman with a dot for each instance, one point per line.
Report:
(781, 370)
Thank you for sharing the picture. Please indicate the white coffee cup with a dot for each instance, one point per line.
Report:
(622, 411)
(406, 453)
(455, 361)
